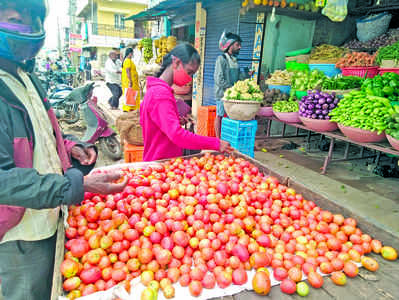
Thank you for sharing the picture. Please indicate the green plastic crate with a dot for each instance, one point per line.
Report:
(295, 66)
(298, 52)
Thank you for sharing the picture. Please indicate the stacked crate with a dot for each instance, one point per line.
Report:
(206, 120)
(240, 135)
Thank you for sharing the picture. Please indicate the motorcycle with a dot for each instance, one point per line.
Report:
(65, 108)
(97, 127)
(98, 130)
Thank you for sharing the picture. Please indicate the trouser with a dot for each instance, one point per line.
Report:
(26, 269)
(116, 91)
(88, 75)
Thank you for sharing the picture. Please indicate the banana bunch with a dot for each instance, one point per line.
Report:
(164, 45)
(140, 45)
(171, 43)
(147, 46)
(162, 51)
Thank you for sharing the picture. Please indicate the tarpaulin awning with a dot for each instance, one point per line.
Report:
(165, 8)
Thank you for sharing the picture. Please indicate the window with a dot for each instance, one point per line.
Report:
(119, 21)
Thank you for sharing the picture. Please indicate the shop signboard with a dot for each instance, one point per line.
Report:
(75, 42)
(260, 19)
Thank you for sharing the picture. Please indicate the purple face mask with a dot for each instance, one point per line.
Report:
(20, 28)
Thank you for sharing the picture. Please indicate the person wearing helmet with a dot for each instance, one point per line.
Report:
(40, 169)
(227, 72)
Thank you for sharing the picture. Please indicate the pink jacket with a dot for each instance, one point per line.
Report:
(162, 133)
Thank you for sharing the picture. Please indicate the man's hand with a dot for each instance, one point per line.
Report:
(86, 156)
(104, 183)
(225, 147)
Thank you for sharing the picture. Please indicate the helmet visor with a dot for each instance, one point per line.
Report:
(19, 18)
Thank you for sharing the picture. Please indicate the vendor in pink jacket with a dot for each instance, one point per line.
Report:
(162, 133)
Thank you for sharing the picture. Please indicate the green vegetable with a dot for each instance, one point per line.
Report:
(308, 80)
(388, 53)
(385, 85)
(342, 83)
(286, 106)
(359, 110)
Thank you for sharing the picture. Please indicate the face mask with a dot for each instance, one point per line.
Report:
(20, 28)
(180, 76)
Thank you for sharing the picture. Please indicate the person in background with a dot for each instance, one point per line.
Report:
(112, 79)
(40, 169)
(162, 133)
(88, 69)
(227, 72)
(130, 78)
(48, 64)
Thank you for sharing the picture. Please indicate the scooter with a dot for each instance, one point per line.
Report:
(98, 130)
(65, 108)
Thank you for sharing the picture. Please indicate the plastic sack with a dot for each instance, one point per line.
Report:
(336, 10)
(372, 26)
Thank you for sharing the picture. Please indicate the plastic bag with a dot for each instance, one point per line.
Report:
(336, 10)
(131, 96)
(372, 26)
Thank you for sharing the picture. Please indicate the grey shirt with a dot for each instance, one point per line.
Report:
(227, 72)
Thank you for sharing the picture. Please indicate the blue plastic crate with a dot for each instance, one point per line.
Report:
(283, 88)
(240, 135)
(328, 69)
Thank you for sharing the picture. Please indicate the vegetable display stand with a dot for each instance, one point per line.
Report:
(240, 135)
(205, 120)
(328, 69)
(393, 142)
(241, 110)
(360, 71)
(289, 117)
(319, 125)
(388, 70)
(133, 153)
(265, 111)
(361, 135)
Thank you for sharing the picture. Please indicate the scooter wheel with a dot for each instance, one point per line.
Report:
(111, 147)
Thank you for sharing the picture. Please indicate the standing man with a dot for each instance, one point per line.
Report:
(113, 73)
(227, 72)
(88, 69)
(40, 169)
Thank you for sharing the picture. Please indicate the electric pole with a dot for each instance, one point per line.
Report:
(72, 26)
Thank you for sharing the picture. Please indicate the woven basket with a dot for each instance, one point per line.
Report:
(129, 128)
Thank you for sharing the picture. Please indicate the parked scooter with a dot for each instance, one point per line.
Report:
(98, 130)
(65, 102)
(97, 126)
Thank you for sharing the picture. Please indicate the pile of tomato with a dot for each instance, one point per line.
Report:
(206, 221)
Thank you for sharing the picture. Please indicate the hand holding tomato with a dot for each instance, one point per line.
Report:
(103, 183)
(225, 147)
